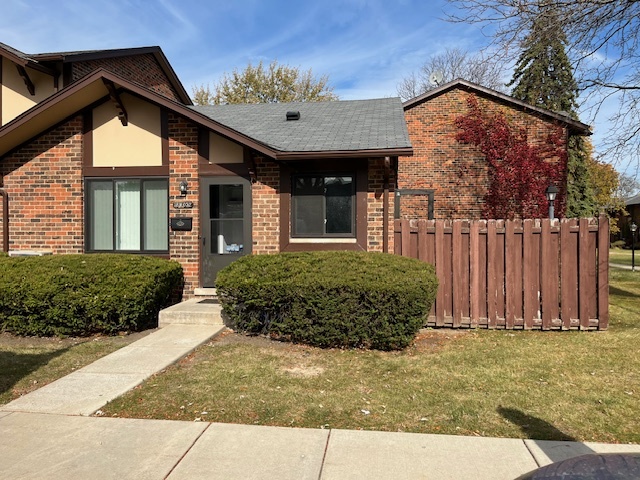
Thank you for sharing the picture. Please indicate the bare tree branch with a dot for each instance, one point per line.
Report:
(453, 63)
(604, 49)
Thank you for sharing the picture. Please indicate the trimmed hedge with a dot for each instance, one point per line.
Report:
(84, 294)
(329, 299)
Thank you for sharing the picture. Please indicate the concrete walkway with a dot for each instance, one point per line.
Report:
(90, 388)
(47, 434)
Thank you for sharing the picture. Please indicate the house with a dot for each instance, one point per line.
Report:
(632, 206)
(445, 178)
(103, 151)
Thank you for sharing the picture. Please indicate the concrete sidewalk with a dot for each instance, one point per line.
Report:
(36, 446)
(47, 434)
(90, 388)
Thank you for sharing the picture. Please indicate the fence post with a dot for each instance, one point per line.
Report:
(603, 272)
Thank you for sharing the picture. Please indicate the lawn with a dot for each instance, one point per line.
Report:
(581, 386)
(28, 363)
(623, 257)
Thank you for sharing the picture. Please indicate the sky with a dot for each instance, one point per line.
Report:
(366, 47)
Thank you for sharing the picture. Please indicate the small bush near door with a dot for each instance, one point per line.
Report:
(80, 295)
(329, 299)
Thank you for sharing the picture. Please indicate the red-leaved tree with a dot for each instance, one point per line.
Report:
(519, 173)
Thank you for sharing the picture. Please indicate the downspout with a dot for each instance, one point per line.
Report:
(385, 205)
(5, 220)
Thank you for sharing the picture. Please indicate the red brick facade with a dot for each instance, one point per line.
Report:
(375, 206)
(456, 173)
(265, 194)
(183, 165)
(142, 69)
(44, 184)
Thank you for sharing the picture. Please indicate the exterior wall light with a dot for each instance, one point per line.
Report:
(183, 187)
(551, 192)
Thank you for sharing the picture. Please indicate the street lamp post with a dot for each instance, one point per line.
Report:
(551, 192)
(633, 228)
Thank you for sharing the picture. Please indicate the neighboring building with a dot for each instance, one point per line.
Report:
(445, 178)
(120, 161)
(103, 151)
(632, 206)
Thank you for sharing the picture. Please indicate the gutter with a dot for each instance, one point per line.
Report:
(5, 220)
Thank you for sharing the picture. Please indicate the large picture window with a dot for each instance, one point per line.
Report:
(323, 206)
(128, 215)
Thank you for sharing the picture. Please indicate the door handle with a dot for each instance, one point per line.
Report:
(204, 241)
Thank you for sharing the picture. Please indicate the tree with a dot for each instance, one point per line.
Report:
(543, 76)
(519, 173)
(628, 186)
(605, 51)
(274, 84)
(453, 63)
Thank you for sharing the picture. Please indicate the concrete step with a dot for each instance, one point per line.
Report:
(196, 311)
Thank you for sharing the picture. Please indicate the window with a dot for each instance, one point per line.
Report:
(323, 206)
(128, 215)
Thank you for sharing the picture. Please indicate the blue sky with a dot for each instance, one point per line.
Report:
(365, 47)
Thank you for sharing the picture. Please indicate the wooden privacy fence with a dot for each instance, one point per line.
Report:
(514, 274)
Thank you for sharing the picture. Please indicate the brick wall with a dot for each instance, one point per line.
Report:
(375, 206)
(183, 165)
(44, 183)
(457, 173)
(143, 69)
(265, 194)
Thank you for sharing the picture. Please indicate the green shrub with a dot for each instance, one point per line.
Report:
(84, 294)
(329, 299)
(618, 244)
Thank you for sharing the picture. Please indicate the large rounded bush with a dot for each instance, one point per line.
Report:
(84, 294)
(329, 299)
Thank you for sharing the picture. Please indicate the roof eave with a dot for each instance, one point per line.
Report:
(153, 97)
(364, 153)
(26, 62)
(573, 125)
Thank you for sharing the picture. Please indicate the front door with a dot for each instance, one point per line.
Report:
(226, 223)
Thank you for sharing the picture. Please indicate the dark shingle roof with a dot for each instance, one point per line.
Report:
(323, 126)
(635, 200)
(15, 52)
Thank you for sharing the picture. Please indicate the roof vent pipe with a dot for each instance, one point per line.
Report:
(293, 116)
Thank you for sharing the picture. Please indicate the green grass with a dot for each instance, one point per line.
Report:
(623, 257)
(28, 363)
(582, 386)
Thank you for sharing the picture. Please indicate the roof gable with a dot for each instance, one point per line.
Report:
(93, 87)
(42, 61)
(574, 126)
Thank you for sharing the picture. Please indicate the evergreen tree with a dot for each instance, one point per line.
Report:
(543, 77)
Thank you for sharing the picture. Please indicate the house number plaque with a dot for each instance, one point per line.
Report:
(182, 204)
